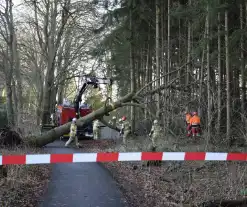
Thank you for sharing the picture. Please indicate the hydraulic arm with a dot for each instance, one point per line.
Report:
(88, 81)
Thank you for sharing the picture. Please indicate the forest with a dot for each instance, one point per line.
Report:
(165, 58)
(176, 55)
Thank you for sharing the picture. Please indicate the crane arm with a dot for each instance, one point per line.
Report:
(88, 81)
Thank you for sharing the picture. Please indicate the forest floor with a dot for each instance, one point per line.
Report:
(24, 185)
(173, 183)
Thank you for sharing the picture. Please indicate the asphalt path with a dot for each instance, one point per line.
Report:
(80, 184)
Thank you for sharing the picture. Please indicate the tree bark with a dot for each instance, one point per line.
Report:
(219, 74)
(53, 41)
(147, 78)
(132, 70)
(208, 75)
(9, 92)
(157, 58)
(228, 95)
(243, 79)
(168, 38)
(17, 72)
(57, 132)
(188, 54)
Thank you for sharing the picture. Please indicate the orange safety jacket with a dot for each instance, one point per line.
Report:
(195, 120)
(188, 117)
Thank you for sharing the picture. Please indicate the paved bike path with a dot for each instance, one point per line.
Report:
(80, 184)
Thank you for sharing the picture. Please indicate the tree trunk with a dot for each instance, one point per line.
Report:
(15, 101)
(208, 75)
(188, 56)
(132, 70)
(243, 89)
(57, 132)
(18, 78)
(168, 38)
(162, 33)
(220, 75)
(228, 95)
(53, 40)
(201, 81)
(157, 58)
(167, 92)
(9, 104)
(148, 66)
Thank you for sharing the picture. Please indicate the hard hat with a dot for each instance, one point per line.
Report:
(194, 113)
(113, 117)
(74, 120)
(155, 121)
(124, 118)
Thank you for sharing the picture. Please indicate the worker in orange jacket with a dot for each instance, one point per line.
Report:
(195, 124)
(187, 120)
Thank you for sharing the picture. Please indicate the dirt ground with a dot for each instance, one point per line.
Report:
(174, 183)
(25, 184)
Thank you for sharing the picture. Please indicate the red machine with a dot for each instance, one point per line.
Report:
(65, 114)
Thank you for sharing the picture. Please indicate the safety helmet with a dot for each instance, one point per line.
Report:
(194, 113)
(113, 117)
(74, 120)
(155, 121)
(124, 118)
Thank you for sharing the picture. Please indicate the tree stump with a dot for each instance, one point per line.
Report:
(9, 138)
(3, 171)
(153, 162)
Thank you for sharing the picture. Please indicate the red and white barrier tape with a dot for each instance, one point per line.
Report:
(121, 156)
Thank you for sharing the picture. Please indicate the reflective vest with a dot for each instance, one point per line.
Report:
(195, 120)
(187, 118)
(73, 129)
(96, 125)
(126, 126)
(156, 129)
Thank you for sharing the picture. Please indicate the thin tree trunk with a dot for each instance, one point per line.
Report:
(167, 93)
(18, 79)
(132, 71)
(208, 75)
(243, 90)
(201, 74)
(220, 75)
(228, 96)
(162, 16)
(188, 54)
(168, 38)
(157, 58)
(8, 72)
(15, 100)
(147, 68)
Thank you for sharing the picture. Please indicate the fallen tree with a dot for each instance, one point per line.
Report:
(57, 132)
(52, 135)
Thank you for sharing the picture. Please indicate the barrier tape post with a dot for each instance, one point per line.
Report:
(29, 159)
